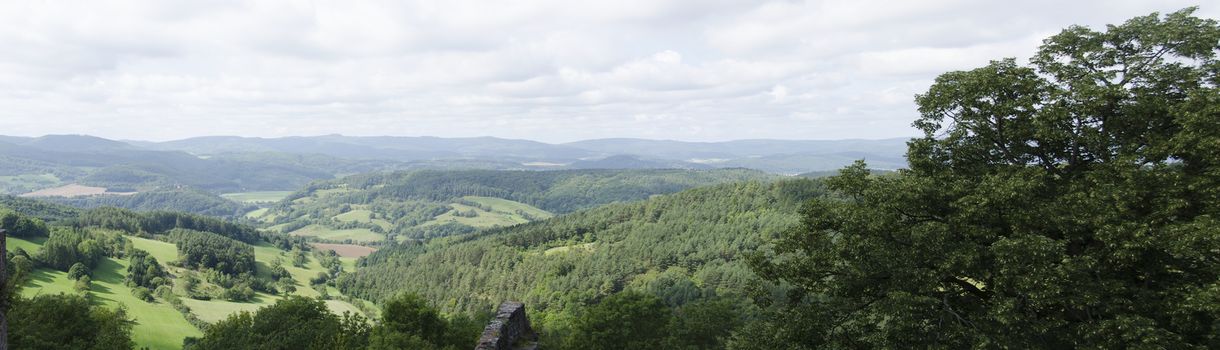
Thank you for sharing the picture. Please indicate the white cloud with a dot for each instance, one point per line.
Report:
(553, 70)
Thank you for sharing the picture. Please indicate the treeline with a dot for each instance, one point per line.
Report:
(682, 247)
(182, 200)
(18, 225)
(561, 191)
(161, 222)
(407, 322)
(45, 211)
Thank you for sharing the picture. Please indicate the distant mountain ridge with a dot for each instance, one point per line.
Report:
(234, 164)
(779, 156)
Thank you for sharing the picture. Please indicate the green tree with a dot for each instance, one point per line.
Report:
(407, 321)
(704, 324)
(67, 322)
(627, 320)
(291, 323)
(77, 270)
(19, 225)
(84, 284)
(1072, 203)
(143, 270)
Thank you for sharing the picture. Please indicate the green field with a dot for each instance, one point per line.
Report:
(503, 213)
(47, 281)
(30, 245)
(323, 232)
(215, 310)
(163, 251)
(257, 197)
(157, 325)
(258, 212)
(362, 215)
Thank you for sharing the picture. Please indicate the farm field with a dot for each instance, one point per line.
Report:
(323, 232)
(257, 213)
(215, 310)
(72, 190)
(257, 197)
(363, 215)
(346, 250)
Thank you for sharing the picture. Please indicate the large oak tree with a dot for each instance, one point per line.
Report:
(1073, 202)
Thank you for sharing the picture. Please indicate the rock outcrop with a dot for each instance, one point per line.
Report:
(509, 330)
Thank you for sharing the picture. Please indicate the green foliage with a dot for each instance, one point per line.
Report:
(18, 225)
(704, 324)
(197, 249)
(622, 321)
(158, 222)
(291, 323)
(83, 284)
(143, 270)
(77, 270)
(1072, 203)
(66, 322)
(142, 293)
(406, 319)
(48, 212)
(70, 246)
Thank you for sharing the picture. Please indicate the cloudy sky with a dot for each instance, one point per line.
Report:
(548, 70)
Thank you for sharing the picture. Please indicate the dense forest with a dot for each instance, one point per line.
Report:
(183, 200)
(685, 247)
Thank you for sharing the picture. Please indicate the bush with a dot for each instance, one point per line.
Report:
(77, 271)
(142, 294)
(83, 284)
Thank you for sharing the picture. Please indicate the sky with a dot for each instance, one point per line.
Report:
(546, 70)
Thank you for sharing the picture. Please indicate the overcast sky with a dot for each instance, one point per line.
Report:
(548, 70)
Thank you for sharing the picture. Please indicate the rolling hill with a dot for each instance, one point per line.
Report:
(681, 246)
(432, 203)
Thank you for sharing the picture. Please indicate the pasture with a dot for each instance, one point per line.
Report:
(323, 232)
(257, 197)
(345, 250)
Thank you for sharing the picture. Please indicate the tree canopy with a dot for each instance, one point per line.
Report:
(1072, 202)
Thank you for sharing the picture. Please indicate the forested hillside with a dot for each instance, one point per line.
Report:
(433, 203)
(683, 247)
(184, 200)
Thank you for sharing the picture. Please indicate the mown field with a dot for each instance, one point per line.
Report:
(362, 235)
(257, 197)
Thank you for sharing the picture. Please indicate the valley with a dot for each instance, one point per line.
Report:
(688, 175)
